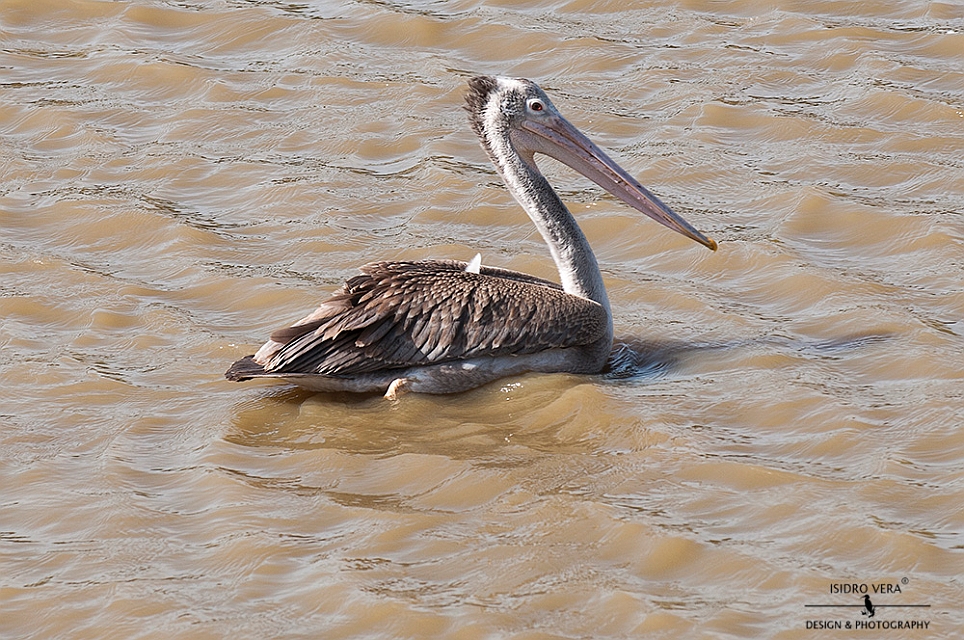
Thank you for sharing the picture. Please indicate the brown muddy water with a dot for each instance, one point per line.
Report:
(179, 178)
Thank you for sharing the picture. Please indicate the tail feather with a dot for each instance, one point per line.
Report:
(244, 369)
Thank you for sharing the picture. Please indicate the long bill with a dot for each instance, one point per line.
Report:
(557, 138)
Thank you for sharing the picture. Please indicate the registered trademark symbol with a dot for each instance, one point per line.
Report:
(904, 580)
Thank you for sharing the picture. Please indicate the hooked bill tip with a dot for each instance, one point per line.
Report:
(711, 243)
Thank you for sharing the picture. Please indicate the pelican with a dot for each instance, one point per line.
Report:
(445, 326)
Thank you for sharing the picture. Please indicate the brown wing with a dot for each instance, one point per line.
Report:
(402, 314)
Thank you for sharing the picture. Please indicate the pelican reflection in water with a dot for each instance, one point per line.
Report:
(443, 326)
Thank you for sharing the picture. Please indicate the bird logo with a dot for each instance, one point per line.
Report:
(868, 607)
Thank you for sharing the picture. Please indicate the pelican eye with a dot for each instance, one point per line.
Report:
(536, 105)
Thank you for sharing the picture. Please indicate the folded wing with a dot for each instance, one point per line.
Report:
(403, 314)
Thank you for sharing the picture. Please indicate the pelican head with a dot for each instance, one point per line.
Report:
(515, 112)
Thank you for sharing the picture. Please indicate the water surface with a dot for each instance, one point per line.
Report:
(180, 178)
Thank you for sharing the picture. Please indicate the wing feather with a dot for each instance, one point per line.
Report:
(402, 314)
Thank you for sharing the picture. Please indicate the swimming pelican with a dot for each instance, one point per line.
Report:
(443, 326)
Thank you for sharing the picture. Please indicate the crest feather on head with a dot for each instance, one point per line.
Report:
(480, 91)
